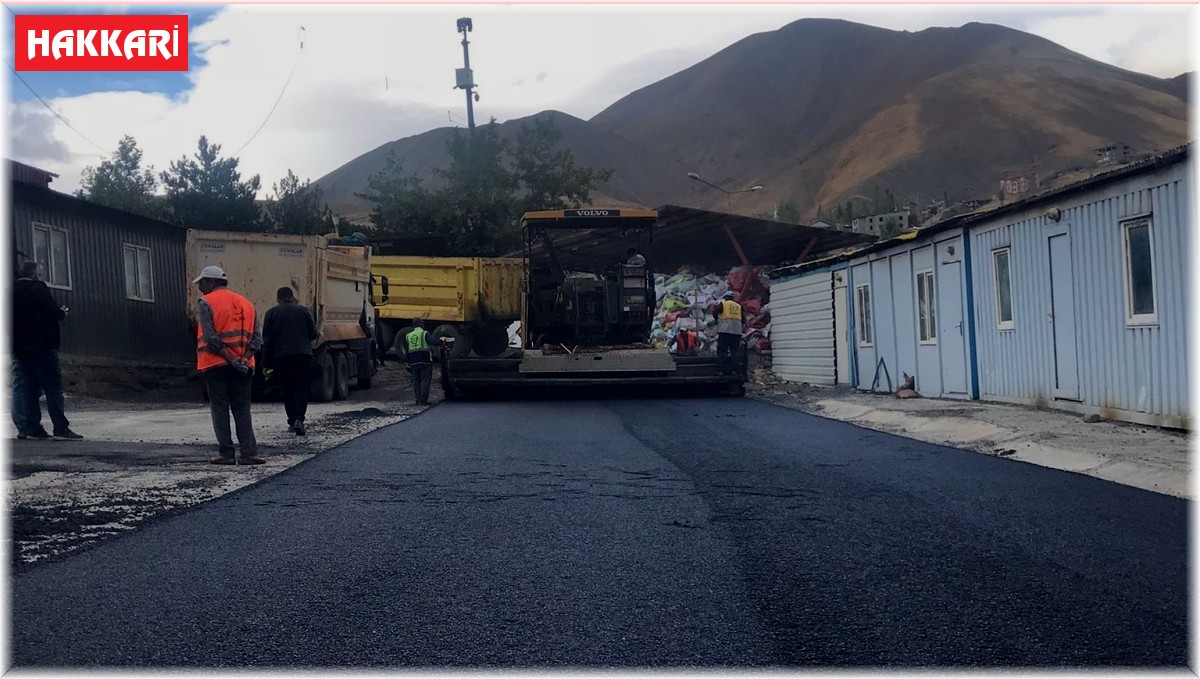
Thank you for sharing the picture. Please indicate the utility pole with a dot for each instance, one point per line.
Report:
(464, 78)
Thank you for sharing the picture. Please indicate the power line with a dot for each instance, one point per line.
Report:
(51, 109)
(48, 106)
(281, 93)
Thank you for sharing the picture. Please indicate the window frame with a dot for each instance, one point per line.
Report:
(863, 315)
(1128, 224)
(1002, 324)
(926, 338)
(125, 247)
(48, 267)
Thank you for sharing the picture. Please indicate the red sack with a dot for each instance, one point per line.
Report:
(737, 280)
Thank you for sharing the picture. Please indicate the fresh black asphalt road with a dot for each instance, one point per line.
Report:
(639, 533)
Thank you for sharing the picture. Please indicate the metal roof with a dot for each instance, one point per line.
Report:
(1170, 157)
(28, 174)
(685, 236)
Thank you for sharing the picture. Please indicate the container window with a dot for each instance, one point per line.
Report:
(139, 276)
(1139, 271)
(864, 315)
(51, 249)
(926, 321)
(1004, 312)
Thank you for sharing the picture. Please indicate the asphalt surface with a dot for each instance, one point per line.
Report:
(690, 533)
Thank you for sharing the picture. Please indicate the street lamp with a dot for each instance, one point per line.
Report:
(728, 194)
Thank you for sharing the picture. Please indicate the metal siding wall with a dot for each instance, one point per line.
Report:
(102, 322)
(1117, 363)
(802, 342)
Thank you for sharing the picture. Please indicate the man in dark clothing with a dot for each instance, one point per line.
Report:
(416, 351)
(36, 341)
(288, 334)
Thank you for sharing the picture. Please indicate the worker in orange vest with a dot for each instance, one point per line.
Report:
(685, 342)
(227, 337)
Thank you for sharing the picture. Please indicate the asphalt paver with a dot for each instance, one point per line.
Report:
(715, 533)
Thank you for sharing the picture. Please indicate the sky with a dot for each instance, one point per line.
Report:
(351, 78)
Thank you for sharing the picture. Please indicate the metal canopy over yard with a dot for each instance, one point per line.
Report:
(685, 236)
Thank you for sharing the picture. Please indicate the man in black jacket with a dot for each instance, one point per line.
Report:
(36, 341)
(288, 334)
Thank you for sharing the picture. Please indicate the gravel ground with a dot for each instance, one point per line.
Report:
(146, 459)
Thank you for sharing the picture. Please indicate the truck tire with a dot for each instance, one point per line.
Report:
(490, 341)
(341, 377)
(321, 389)
(386, 339)
(398, 342)
(462, 341)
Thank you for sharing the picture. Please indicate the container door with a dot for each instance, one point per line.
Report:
(841, 328)
(952, 327)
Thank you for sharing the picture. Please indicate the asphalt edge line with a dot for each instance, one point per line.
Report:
(965, 450)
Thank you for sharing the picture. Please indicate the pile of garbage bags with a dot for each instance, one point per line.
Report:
(686, 300)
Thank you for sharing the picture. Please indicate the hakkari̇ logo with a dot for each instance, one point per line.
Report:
(58, 42)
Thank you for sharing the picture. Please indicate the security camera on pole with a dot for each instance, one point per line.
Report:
(464, 78)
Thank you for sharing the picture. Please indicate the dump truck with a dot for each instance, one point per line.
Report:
(333, 281)
(471, 300)
(585, 319)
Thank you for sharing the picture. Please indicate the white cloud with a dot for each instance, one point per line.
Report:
(370, 74)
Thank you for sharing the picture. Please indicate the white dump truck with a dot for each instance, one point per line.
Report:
(333, 281)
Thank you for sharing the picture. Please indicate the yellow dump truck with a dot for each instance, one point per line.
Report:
(470, 299)
(333, 281)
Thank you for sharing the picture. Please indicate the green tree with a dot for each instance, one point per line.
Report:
(296, 207)
(890, 229)
(488, 184)
(121, 182)
(478, 201)
(402, 207)
(788, 212)
(207, 192)
(547, 175)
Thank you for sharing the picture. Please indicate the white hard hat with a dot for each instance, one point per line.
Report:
(211, 272)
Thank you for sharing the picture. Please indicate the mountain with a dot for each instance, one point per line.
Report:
(822, 110)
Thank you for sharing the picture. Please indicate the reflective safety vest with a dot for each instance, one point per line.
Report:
(416, 340)
(685, 341)
(730, 319)
(233, 318)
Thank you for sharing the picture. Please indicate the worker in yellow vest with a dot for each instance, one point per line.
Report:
(420, 359)
(729, 332)
(227, 337)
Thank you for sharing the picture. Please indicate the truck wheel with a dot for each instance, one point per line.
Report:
(398, 342)
(462, 341)
(321, 389)
(386, 339)
(341, 377)
(490, 341)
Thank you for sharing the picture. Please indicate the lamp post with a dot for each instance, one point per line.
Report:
(728, 194)
(729, 211)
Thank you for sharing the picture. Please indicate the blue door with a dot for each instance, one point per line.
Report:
(1062, 319)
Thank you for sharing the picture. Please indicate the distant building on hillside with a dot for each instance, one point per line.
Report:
(1015, 184)
(1113, 154)
(873, 224)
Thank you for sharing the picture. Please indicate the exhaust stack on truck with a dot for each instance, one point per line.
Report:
(333, 281)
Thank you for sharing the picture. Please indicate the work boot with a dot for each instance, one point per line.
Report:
(299, 428)
(251, 459)
(67, 434)
(223, 459)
